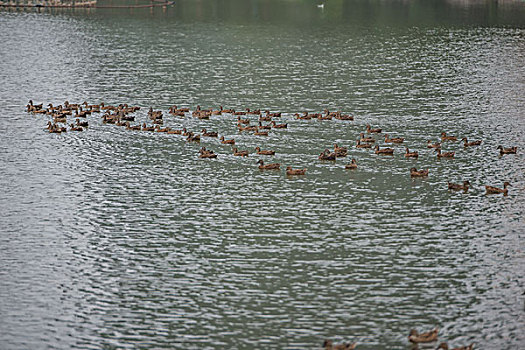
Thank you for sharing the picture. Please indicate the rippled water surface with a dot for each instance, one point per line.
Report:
(115, 239)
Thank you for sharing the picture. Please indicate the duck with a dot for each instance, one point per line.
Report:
(204, 153)
(394, 140)
(370, 130)
(246, 128)
(238, 113)
(256, 112)
(352, 165)
(75, 128)
(185, 132)
(340, 151)
(60, 119)
(362, 145)
(427, 337)
(444, 155)
(243, 121)
(305, 116)
(326, 155)
(238, 153)
(159, 129)
(329, 345)
(445, 137)
(497, 190)
(265, 118)
(291, 171)
(264, 127)
(344, 117)
(418, 173)
(134, 127)
(175, 132)
(433, 145)
(53, 128)
(193, 138)
(227, 142)
(273, 166)
(261, 133)
(229, 110)
(366, 139)
(459, 187)
(272, 115)
(147, 128)
(206, 133)
(264, 152)
(82, 124)
(470, 144)
(385, 151)
(507, 150)
(409, 154)
(444, 346)
(278, 126)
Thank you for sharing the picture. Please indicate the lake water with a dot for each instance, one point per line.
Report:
(116, 239)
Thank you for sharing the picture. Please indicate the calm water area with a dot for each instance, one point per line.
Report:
(118, 239)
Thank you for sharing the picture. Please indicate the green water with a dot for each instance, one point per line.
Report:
(116, 239)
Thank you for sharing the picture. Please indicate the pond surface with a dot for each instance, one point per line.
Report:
(117, 239)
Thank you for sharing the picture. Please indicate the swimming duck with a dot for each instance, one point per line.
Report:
(470, 144)
(352, 165)
(256, 112)
(344, 117)
(291, 171)
(272, 115)
(370, 130)
(444, 346)
(426, 337)
(328, 345)
(409, 154)
(418, 173)
(305, 116)
(227, 142)
(273, 166)
(265, 118)
(193, 138)
(366, 139)
(394, 140)
(264, 127)
(508, 150)
(159, 129)
(75, 128)
(204, 153)
(264, 152)
(278, 126)
(261, 133)
(243, 121)
(238, 153)
(134, 127)
(496, 190)
(147, 128)
(433, 145)
(209, 133)
(82, 124)
(444, 155)
(238, 113)
(175, 132)
(444, 137)
(385, 151)
(340, 151)
(326, 155)
(459, 187)
(362, 145)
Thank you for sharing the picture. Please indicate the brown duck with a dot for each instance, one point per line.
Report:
(418, 173)
(497, 190)
(273, 166)
(329, 345)
(291, 171)
(459, 187)
(426, 337)
(444, 346)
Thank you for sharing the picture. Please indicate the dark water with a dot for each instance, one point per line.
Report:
(116, 239)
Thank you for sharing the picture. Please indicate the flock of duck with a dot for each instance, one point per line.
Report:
(123, 114)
